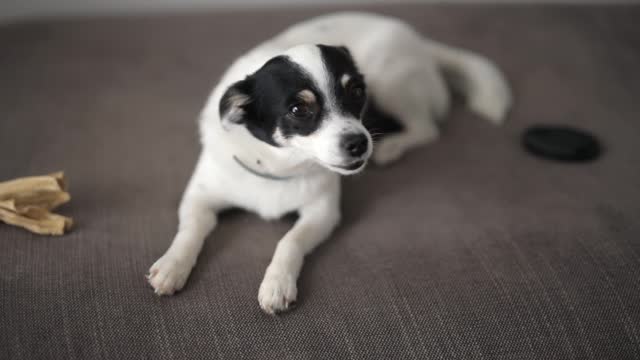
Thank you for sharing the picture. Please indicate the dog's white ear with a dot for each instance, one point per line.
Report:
(234, 101)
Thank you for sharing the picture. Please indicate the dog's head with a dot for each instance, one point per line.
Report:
(309, 100)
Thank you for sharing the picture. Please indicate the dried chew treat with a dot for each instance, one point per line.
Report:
(26, 202)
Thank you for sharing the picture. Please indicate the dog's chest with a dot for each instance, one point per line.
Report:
(269, 198)
(272, 199)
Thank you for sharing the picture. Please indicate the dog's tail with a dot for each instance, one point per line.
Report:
(481, 83)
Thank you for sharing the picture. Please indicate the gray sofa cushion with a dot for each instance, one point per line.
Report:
(467, 249)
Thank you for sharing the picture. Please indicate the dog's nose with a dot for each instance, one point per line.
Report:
(355, 144)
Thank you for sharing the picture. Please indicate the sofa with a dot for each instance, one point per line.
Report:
(468, 248)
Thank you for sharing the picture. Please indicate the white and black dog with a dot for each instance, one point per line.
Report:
(285, 121)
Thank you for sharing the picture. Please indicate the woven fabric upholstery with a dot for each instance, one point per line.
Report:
(468, 248)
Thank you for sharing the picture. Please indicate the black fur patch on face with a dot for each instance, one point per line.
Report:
(350, 96)
(265, 101)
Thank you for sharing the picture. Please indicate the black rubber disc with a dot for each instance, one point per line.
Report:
(561, 143)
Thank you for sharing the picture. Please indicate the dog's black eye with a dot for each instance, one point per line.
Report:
(301, 111)
(356, 90)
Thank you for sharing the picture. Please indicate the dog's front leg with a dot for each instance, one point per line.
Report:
(197, 218)
(317, 220)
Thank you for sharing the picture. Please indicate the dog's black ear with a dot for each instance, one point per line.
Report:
(344, 49)
(234, 102)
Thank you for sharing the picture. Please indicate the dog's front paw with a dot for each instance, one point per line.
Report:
(277, 293)
(168, 274)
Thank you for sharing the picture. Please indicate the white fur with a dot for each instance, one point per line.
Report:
(403, 73)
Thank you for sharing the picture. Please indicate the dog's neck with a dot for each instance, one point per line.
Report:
(261, 159)
(260, 174)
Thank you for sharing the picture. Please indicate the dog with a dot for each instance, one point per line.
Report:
(285, 121)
